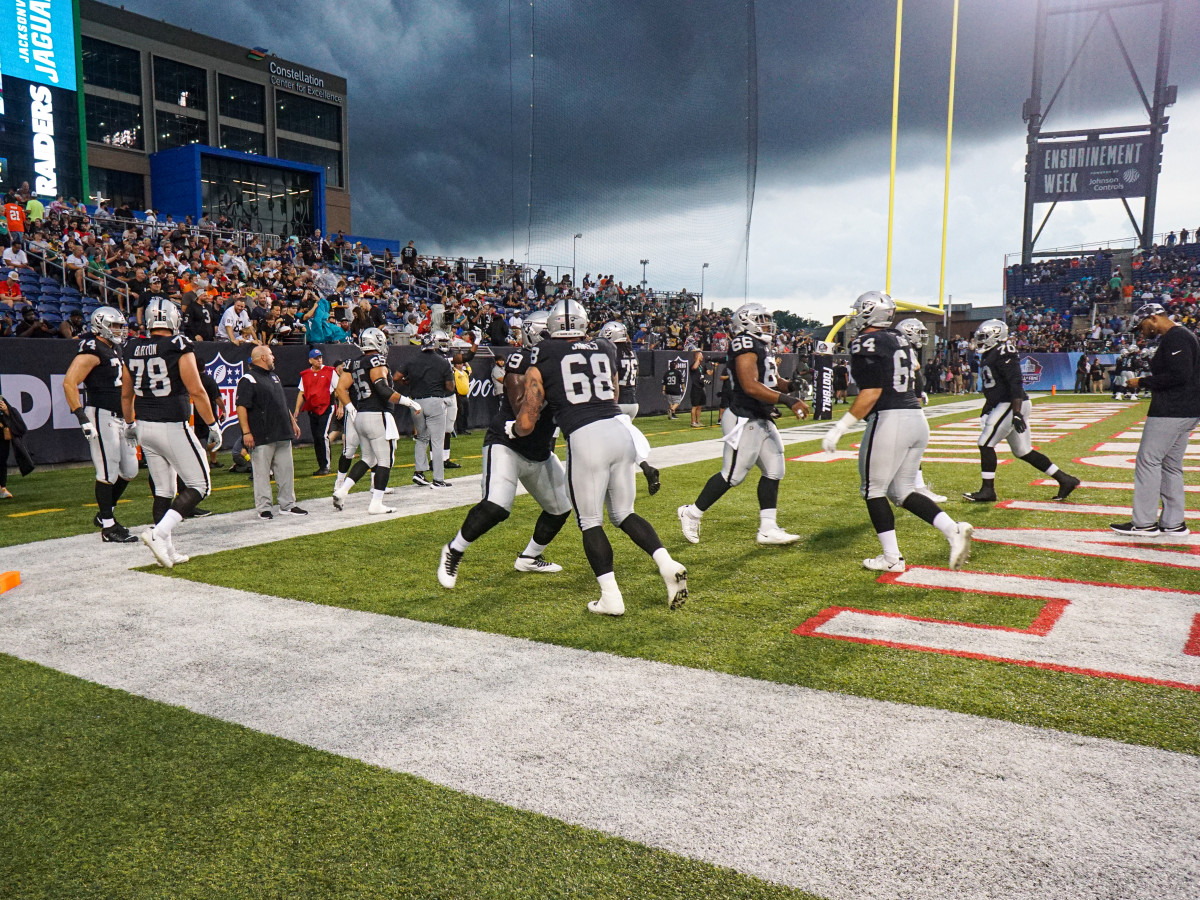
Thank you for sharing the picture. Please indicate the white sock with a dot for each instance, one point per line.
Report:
(608, 583)
(989, 476)
(1052, 471)
(376, 496)
(533, 548)
(460, 543)
(107, 523)
(164, 528)
(694, 510)
(766, 519)
(347, 484)
(337, 482)
(945, 525)
(891, 547)
(920, 481)
(661, 558)
(445, 456)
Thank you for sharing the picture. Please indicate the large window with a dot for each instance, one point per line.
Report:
(258, 198)
(175, 131)
(113, 122)
(330, 160)
(308, 117)
(118, 187)
(242, 100)
(179, 84)
(243, 139)
(109, 66)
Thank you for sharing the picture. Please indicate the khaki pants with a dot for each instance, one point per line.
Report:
(264, 459)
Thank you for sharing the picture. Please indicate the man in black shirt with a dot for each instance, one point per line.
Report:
(268, 428)
(507, 461)
(1174, 385)
(884, 366)
(198, 319)
(1006, 411)
(672, 388)
(574, 378)
(430, 380)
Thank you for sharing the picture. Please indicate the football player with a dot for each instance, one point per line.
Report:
(884, 367)
(751, 438)
(372, 419)
(160, 384)
(508, 460)
(430, 380)
(1005, 415)
(627, 379)
(915, 333)
(98, 366)
(574, 378)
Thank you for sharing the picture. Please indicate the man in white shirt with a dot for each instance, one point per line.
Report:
(235, 324)
(15, 257)
(76, 266)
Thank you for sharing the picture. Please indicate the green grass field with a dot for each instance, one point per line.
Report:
(107, 795)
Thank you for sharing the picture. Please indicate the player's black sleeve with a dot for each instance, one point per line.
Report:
(869, 372)
(1010, 374)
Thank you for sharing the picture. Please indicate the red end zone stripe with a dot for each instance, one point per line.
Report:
(1192, 647)
(1049, 614)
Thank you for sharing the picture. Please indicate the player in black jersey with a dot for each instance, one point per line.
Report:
(507, 460)
(574, 378)
(1005, 416)
(372, 419)
(160, 384)
(672, 387)
(98, 367)
(915, 333)
(751, 438)
(628, 370)
(889, 457)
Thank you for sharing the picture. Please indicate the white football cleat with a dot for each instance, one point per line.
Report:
(176, 557)
(675, 575)
(339, 497)
(611, 603)
(927, 491)
(880, 564)
(158, 547)
(960, 545)
(388, 491)
(378, 509)
(537, 563)
(775, 535)
(690, 522)
(448, 566)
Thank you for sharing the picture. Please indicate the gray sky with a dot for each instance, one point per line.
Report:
(439, 142)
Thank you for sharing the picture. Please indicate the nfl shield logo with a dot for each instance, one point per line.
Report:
(226, 375)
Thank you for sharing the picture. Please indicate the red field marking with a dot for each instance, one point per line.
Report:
(1175, 552)
(1084, 508)
(1192, 647)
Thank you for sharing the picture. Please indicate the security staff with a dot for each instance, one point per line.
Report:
(268, 427)
(430, 380)
(316, 399)
(1174, 384)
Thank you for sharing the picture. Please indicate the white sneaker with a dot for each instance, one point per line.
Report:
(378, 509)
(448, 566)
(927, 491)
(537, 563)
(339, 497)
(388, 491)
(773, 534)
(611, 603)
(690, 522)
(176, 557)
(880, 564)
(675, 575)
(158, 547)
(960, 545)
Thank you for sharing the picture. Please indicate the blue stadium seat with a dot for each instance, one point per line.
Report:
(51, 318)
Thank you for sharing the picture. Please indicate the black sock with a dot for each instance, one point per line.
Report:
(1039, 461)
(882, 517)
(344, 464)
(104, 499)
(358, 470)
(380, 479)
(482, 518)
(922, 506)
(598, 551)
(713, 490)
(548, 526)
(118, 487)
(161, 505)
(988, 463)
(768, 493)
(641, 533)
(186, 501)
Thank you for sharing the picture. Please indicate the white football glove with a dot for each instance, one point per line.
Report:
(845, 423)
(89, 431)
(213, 440)
(508, 429)
(411, 404)
(131, 434)
(350, 413)
(924, 399)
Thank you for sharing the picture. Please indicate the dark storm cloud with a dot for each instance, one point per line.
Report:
(644, 94)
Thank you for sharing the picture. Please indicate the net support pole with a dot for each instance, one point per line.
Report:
(949, 137)
(887, 284)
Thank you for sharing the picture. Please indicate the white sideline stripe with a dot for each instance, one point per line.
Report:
(1113, 485)
(1089, 509)
(843, 796)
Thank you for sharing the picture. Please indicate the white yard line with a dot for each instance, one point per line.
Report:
(839, 795)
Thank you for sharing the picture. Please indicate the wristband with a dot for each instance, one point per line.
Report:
(846, 422)
(80, 415)
(788, 400)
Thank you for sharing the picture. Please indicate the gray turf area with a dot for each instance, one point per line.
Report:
(842, 796)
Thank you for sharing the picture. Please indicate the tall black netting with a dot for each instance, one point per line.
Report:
(644, 139)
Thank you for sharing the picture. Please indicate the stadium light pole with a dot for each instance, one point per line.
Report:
(644, 262)
(702, 268)
(574, 244)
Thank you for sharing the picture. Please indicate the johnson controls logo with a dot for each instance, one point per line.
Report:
(1031, 370)
(1129, 176)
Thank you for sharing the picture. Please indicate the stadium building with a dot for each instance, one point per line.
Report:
(101, 101)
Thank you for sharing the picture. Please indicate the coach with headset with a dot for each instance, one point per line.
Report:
(1174, 385)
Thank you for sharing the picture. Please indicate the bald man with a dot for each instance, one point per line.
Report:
(268, 428)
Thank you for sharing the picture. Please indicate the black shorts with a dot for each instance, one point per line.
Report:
(699, 395)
